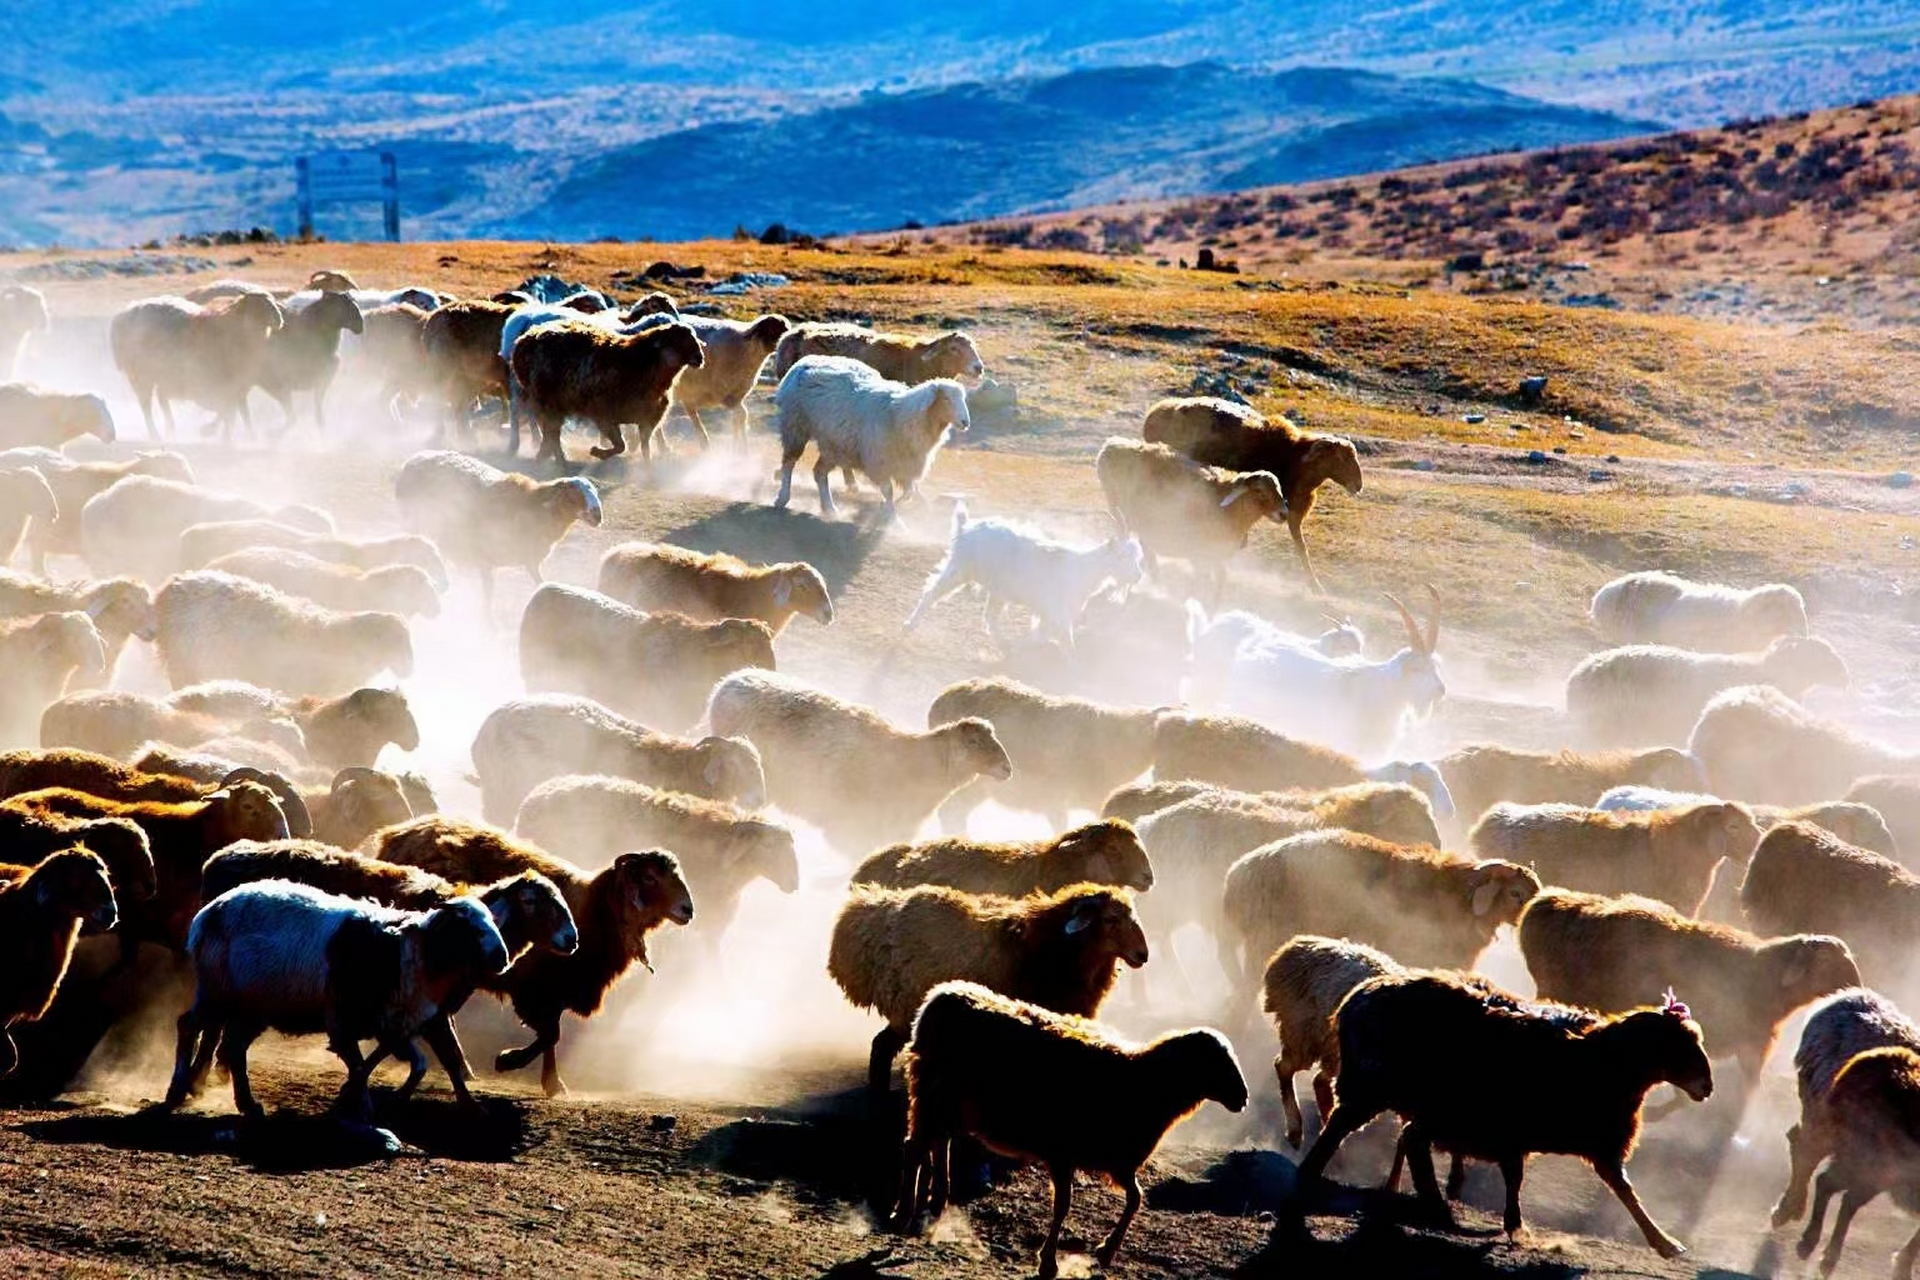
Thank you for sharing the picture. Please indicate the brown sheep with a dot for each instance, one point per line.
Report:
(1220, 433)
(1061, 951)
(1481, 776)
(1670, 854)
(575, 369)
(897, 359)
(121, 608)
(656, 667)
(710, 587)
(614, 910)
(487, 518)
(1229, 751)
(1102, 852)
(117, 842)
(182, 835)
(30, 417)
(1184, 510)
(1139, 800)
(393, 350)
(722, 849)
(358, 802)
(843, 766)
(733, 352)
(1067, 753)
(117, 724)
(212, 354)
(1302, 989)
(399, 588)
(460, 343)
(1615, 954)
(1433, 909)
(98, 775)
(353, 728)
(1897, 798)
(1435, 1048)
(304, 354)
(1032, 1083)
(1803, 879)
(74, 483)
(64, 896)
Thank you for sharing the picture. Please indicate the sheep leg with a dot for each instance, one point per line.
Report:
(699, 427)
(1306, 561)
(789, 457)
(285, 400)
(9, 1054)
(190, 1056)
(1615, 1176)
(550, 1072)
(1111, 1245)
(958, 807)
(1062, 1201)
(886, 496)
(1341, 1125)
(1284, 1070)
(545, 1037)
(847, 478)
(445, 1043)
(1903, 1260)
(1418, 1150)
(942, 586)
(1456, 1175)
(1802, 1156)
(146, 397)
(617, 442)
(1851, 1202)
(166, 412)
(235, 1039)
(1513, 1169)
(822, 470)
(887, 1043)
(1322, 1094)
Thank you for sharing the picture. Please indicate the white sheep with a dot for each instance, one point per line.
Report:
(1757, 744)
(23, 311)
(289, 958)
(1350, 703)
(487, 518)
(856, 418)
(214, 626)
(1012, 564)
(133, 527)
(1655, 607)
(1649, 694)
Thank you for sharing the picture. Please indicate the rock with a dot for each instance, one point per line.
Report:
(1537, 458)
(1475, 419)
(1900, 480)
(746, 281)
(1560, 448)
(992, 397)
(662, 1123)
(1424, 464)
(1598, 474)
(1531, 389)
(1613, 457)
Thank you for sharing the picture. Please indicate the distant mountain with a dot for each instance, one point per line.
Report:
(1041, 143)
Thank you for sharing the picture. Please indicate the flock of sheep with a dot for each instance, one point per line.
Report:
(1707, 858)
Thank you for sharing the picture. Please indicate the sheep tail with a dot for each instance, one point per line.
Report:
(959, 520)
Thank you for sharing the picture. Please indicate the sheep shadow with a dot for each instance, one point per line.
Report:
(1380, 1243)
(830, 1149)
(758, 533)
(1237, 1185)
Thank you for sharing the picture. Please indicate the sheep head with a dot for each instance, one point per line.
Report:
(1419, 668)
(72, 638)
(974, 749)
(1811, 966)
(741, 642)
(336, 311)
(1670, 769)
(765, 333)
(679, 347)
(1422, 777)
(1332, 458)
(123, 846)
(244, 811)
(385, 711)
(951, 355)
(255, 311)
(530, 911)
(1102, 922)
(328, 281)
(1108, 852)
(1727, 830)
(1776, 608)
(26, 492)
(1797, 663)
(1499, 891)
(362, 801)
(646, 889)
(731, 769)
(800, 587)
(586, 302)
(1666, 1043)
(577, 497)
(122, 607)
(74, 883)
(293, 810)
(769, 853)
(946, 410)
(1202, 1063)
(460, 939)
(655, 303)
(1253, 495)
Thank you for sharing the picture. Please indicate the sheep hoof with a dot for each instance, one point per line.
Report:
(1673, 1249)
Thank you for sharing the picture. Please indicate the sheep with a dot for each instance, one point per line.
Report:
(1220, 433)
(215, 624)
(524, 742)
(284, 957)
(74, 483)
(1857, 824)
(120, 608)
(1061, 951)
(1569, 1082)
(1066, 753)
(1215, 641)
(1802, 879)
(1655, 607)
(1897, 800)
(134, 526)
(119, 843)
(1180, 509)
(861, 779)
(304, 354)
(114, 723)
(1131, 648)
(1012, 564)
(1647, 694)
(216, 290)
(733, 353)
(170, 347)
(1671, 855)
(392, 351)
(26, 501)
(64, 896)
(1302, 989)
(110, 779)
(182, 835)
(1104, 852)
(401, 588)
(23, 312)
(527, 909)
(1028, 1082)
(1432, 909)
(351, 729)
(860, 421)
(1233, 752)
(202, 544)
(30, 417)
(1351, 704)
(358, 802)
(1195, 841)
(895, 358)
(1615, 954)
(654, 667)
(710, 587)
(1482, 775)
(614, 910)
(1859, 1076)
(39, 656)
(486, 518)
(579, 369)
(1757, 744)
(460, 343)
(1140, 800)
(722, 849)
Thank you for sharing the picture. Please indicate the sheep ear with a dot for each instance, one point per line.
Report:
(1233, 496)
(783, 590)
(1483, 897)
(1078, 922)
(712, 772)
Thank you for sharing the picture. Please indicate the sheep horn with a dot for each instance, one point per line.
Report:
(1433, 623)
(1406, 617)
(299, 821)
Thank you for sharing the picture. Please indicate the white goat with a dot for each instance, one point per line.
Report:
(1213, 644)
(1349, 703)
(1015, 565)
(859, 420)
